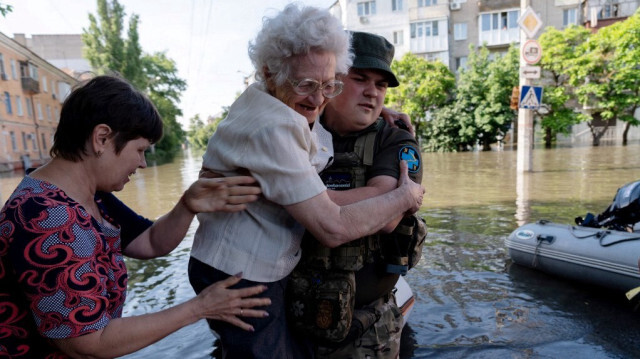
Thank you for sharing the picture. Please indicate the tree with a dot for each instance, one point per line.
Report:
(559, 53)
(626, 76)
(154, 74)
(593, 76)
(424, 86)
(199, 133)
(471, 92)
(494, 116)
(164, 88)
(5, 9)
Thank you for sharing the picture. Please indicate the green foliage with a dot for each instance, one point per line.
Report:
(494, 115)
(199, 133)
(155, 74)
(164, 88)
(443, 130)
(560, 53)
(483, 97)
(5, 9)
(424, 86)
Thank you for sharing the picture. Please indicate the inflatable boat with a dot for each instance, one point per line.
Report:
(600, 249)
(598, 256)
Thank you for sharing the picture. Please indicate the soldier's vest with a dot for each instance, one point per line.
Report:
(321, 291)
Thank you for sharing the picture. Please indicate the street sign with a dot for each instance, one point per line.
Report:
(531, 52)
(530, 72)
(530, 22)
(530, 97)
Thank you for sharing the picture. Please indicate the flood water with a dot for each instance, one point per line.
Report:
(471, 301)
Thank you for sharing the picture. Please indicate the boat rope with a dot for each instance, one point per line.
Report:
(540, 238)
(600, 235)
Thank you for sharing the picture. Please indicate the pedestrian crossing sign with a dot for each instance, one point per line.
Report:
(530, 97)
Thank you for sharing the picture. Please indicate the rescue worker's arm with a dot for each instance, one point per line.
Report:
(334, 225)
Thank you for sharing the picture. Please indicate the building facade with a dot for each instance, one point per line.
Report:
(445, 30)
(32, 92)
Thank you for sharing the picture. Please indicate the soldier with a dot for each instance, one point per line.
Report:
(342, 297)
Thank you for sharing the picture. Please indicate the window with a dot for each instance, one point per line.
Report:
(48, 110)
(45, 87)
(423, 3)
(39, 109)
(29, 107)
(14, 147)
(499, 28)
(461, 63)
(2, 65)
(24, 141)
(396, 5)
(53, 87)
(44, 141)
(57, 114)
(398, 37)
(19, 109)
(14, 74)
(569, 17)
(7, 102)
(608, 11)
(486, 22)
(460, 31)
(34, 142)
(424, 29)
(366, 8)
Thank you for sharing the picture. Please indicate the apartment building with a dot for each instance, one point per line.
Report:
(32, 91)
(63, 51)
(444, 29)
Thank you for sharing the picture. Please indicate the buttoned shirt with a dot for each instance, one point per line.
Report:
(275, 144)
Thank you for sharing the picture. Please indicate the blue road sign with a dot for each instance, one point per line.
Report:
(530, 97)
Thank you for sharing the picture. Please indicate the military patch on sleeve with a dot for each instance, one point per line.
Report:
(412, 156)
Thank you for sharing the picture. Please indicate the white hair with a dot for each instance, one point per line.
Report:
(297, 31)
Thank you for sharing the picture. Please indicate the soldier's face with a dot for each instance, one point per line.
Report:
(359, 104)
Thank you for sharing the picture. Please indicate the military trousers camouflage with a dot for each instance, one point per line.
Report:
(381, 340)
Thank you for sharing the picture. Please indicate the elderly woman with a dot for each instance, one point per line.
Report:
(270, 132)
(63, 235)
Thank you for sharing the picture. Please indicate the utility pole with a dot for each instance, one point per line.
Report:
(525, 117)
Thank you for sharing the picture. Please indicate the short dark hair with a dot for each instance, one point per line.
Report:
(107, 100)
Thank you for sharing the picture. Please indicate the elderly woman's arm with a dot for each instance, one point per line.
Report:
(228, 194)
(334, 225)
(127, 335)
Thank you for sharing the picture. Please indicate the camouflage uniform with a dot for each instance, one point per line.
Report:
(382, 340)
(367, 259)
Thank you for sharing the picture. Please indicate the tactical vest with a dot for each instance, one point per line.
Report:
(347, 171)
(321, 291)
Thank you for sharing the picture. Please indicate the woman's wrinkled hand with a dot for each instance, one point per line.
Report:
(228, 194)
(397, 119)
(218, 302)
(416, 191)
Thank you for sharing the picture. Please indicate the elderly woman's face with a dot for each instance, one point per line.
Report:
(318, 66)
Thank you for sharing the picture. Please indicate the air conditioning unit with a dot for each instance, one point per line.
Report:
(455, 5)
(364, 20)
(53, 95)
(3, 76)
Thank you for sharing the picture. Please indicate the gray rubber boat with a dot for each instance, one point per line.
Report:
(592, 255)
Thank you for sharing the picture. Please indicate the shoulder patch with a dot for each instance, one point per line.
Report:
(412, 156)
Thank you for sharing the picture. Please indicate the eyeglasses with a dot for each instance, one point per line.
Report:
(306, 87)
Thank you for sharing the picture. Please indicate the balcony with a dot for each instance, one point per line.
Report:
(30, 85)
